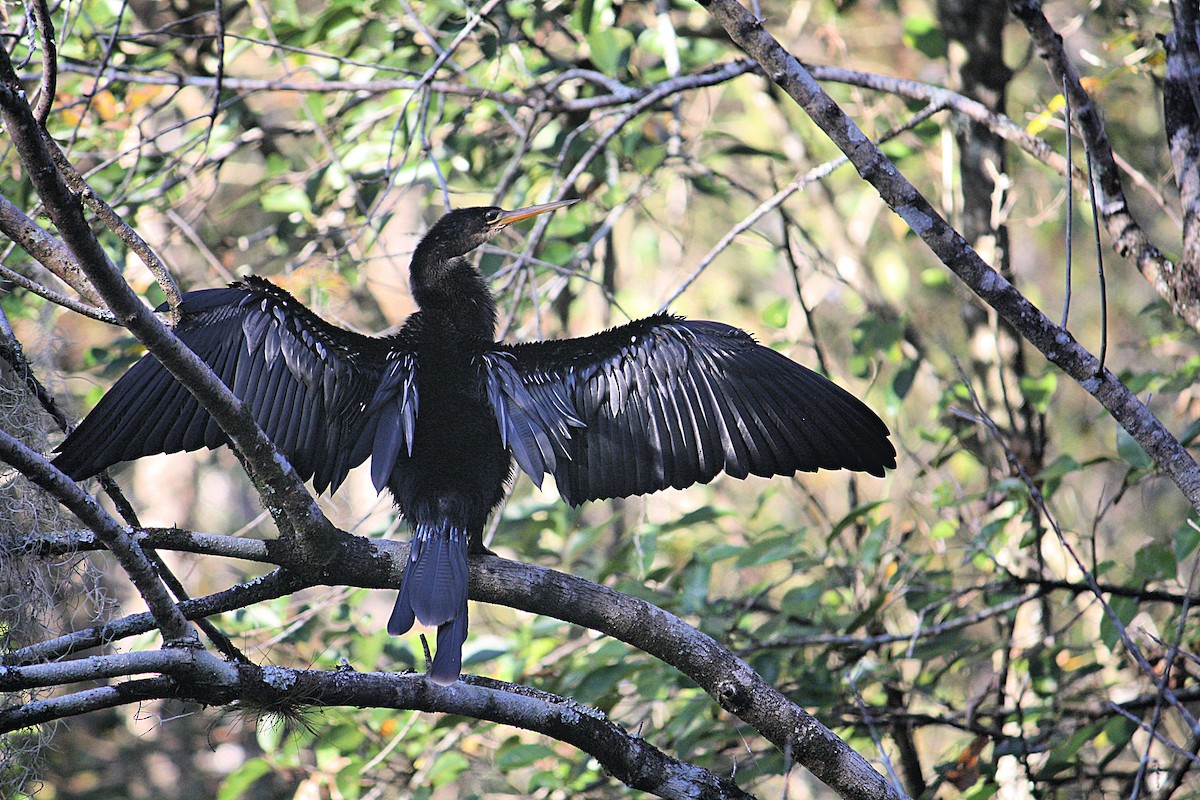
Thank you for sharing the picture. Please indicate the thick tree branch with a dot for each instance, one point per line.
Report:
(201, 677)
(1181, 115)
(1055, 343)
(728, 679)
(374, 564)
(725, 677)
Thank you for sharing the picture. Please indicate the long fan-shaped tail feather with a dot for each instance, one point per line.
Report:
(434, 591)
(447, 661)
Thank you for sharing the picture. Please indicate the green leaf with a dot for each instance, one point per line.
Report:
(349, 779)
(286, 199)
(1119, 731)
(645, 545)
(902, 381)
(1064, 755)
(519, 755)
(696, 517)
(600, 683)
(609, 48)
(447, 768)
(1059, 467)
(1125, 608)
(585, 13)
(981, 791)
(1038, 391)
(241, 779)
(768, 551)
(1131, 452)
(775, 314)
(897, 150)
(802, 602)
(874, 334)
(922, 34)
(1154, 562)
(935, 277)
(942, 529)
(1188, 436)
(1186, 539)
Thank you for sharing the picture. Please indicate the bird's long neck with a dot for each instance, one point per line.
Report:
(450, 288)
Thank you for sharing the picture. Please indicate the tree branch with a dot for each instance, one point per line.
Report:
(201, 677)
(268, 587)
(728, 679)
(1181, 116)
(540, 98)
(1055, 343)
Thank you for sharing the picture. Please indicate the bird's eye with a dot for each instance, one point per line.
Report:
(491, 215)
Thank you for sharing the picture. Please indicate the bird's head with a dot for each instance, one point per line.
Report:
(462, 230)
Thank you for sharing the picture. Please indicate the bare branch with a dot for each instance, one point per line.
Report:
(617, 95)
(76, 183)
(33, 287)
(268, 587)
(202, 678)
(774, 201)
(1181, 115)
(1055, 343)
(741, 691)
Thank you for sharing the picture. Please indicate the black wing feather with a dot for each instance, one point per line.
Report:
(308, 384)
(667, 402)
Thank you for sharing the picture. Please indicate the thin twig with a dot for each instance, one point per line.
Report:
(1070, 226)
(1103, 284)
(774, 201)
(1130, 239)
(115, 223)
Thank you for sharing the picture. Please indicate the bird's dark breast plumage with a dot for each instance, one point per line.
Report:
(458, 465)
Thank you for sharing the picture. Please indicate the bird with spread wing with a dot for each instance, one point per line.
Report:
(443, 410)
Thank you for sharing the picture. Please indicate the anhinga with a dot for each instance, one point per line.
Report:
(443, 409)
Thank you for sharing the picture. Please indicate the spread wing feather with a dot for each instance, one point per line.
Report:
(669, 402)
(321, 393)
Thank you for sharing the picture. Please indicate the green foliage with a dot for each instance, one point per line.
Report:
(942, 589)
(922, 34)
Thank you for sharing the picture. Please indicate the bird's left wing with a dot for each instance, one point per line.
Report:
(321, 393)
(667, 402)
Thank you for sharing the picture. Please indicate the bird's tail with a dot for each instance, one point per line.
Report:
(434, 591)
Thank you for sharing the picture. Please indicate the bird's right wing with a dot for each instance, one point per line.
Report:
(316, 390)
(671, 402)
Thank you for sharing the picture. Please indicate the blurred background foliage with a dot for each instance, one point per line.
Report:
(932, 617)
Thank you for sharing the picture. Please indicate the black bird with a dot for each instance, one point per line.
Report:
(444, 410)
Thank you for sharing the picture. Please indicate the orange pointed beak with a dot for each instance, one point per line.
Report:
(509, 217)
